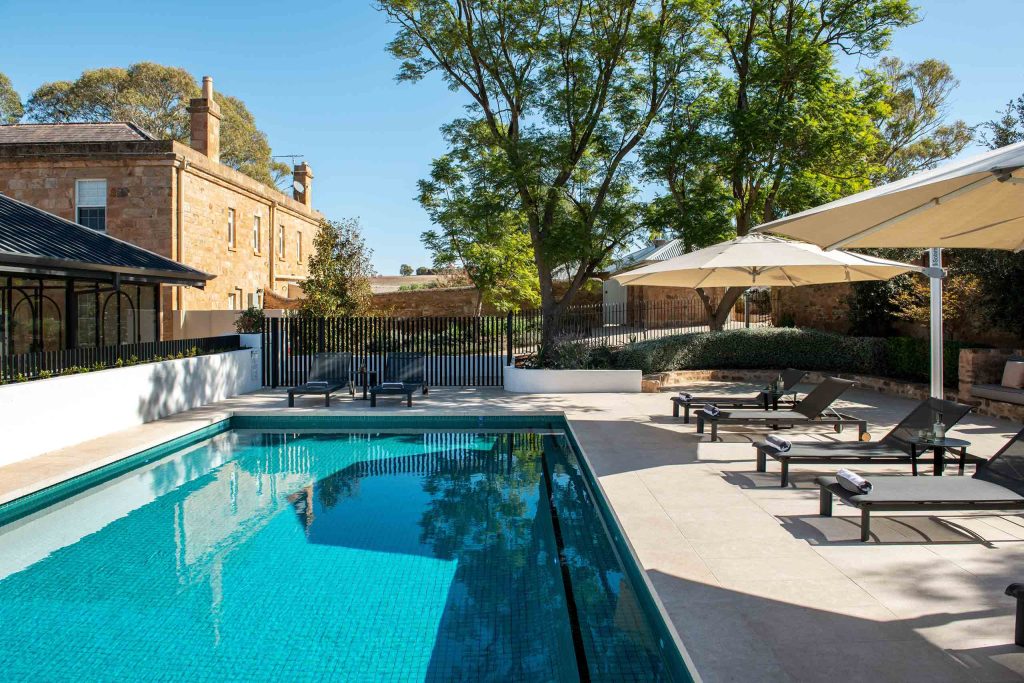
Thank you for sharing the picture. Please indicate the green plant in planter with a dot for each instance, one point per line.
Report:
(250, 321)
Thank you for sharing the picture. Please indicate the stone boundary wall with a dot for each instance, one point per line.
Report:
(977, 366)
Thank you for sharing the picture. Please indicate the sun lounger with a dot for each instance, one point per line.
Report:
(404, 373)
(813, 410)
(998, 484)
(894, 447)
(329, 373)
(766, 398)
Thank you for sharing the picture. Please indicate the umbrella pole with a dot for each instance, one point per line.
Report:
(935, 262)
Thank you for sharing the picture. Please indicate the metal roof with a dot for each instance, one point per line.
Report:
(35, 242)
(648, 254)
(30, 133)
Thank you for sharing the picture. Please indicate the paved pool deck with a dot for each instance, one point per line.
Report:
(759, 587)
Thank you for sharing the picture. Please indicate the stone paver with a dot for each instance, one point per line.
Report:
(758, 586)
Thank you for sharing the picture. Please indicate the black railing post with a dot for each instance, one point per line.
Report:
(508, 339)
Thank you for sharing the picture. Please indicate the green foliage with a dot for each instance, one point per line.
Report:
(566, 92)
(1000, 277)
(806, 349)
(11, 109)
(907, 358)
(405, 270)
(339, 271)
(872, 308)
(754, 348)
(155, 97)
(480, 229)
(423, 270)
(914, 133)
(250, 321)
(567, 353)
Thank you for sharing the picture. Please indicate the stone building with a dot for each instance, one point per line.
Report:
(173, 199)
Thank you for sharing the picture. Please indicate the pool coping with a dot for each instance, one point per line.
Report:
(37, 495)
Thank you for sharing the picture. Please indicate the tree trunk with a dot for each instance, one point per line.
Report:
(718, 315)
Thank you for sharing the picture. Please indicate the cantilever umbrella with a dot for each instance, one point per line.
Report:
(977, 202)
(763, 260)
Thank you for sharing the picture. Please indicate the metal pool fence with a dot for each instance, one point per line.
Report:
(25, 366)
(473, 350)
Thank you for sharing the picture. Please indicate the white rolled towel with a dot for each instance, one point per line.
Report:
(780, 444)
(685, 396)
(853, 482)
(711, 409)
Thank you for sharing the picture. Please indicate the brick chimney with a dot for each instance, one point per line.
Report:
(303, 177)
(205, 122)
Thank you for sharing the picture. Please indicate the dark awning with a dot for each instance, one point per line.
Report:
(37, 243)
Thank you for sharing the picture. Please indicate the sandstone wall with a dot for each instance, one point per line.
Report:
(822, 307)
(142, 195)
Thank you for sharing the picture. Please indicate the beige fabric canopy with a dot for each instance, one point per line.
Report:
(763, 260)
(981, 200)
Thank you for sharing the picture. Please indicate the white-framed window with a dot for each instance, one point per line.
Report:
(298, 247)
(280, 243)
(232, 301)
(255, 299)
(231, 228)
(256, 234)
(91, 204)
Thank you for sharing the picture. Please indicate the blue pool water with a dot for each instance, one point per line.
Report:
(256, 555)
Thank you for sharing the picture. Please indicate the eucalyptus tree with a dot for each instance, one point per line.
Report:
(778, 127)
(566, 90)
(479, 228)
(156, 97)
(11, 109)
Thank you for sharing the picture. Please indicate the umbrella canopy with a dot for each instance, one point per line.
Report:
(976, 202)
(764, 261)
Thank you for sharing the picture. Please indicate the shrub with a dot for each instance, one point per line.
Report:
(566, 354)
(250, 321)
(755, 348)
(898, 357)
(908, 358)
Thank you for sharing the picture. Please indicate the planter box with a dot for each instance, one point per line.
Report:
(541, 381)
(47, 414)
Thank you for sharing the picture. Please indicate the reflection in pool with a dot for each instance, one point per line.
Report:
(257, 555)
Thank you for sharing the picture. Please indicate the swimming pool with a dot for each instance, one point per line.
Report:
(266, 548)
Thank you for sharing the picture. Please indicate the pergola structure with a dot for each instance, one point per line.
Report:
(65, 286)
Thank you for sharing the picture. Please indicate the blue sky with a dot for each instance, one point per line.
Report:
(320, 84)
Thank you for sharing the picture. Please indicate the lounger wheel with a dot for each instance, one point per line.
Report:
(866, 436)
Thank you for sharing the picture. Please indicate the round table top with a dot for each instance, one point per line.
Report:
(947, 442)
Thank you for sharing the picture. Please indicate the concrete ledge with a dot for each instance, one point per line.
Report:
(44, 415)
(542, 381)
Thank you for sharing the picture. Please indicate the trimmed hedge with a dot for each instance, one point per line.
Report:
(768, 347)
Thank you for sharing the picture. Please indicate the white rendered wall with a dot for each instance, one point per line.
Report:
(538, 381)
(47, 414)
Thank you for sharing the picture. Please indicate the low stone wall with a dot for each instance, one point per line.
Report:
(884, 385)
(977, 366)
(456, 301)
(985, 366)
(47, 414)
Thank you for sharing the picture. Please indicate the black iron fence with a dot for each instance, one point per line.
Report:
(461, 351)
(616, 325)
(473, 351)
(41, 364)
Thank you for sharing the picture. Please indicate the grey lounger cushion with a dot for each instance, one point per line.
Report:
(780, 415)
(895, 489)
(831, 449)
(997, 392)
